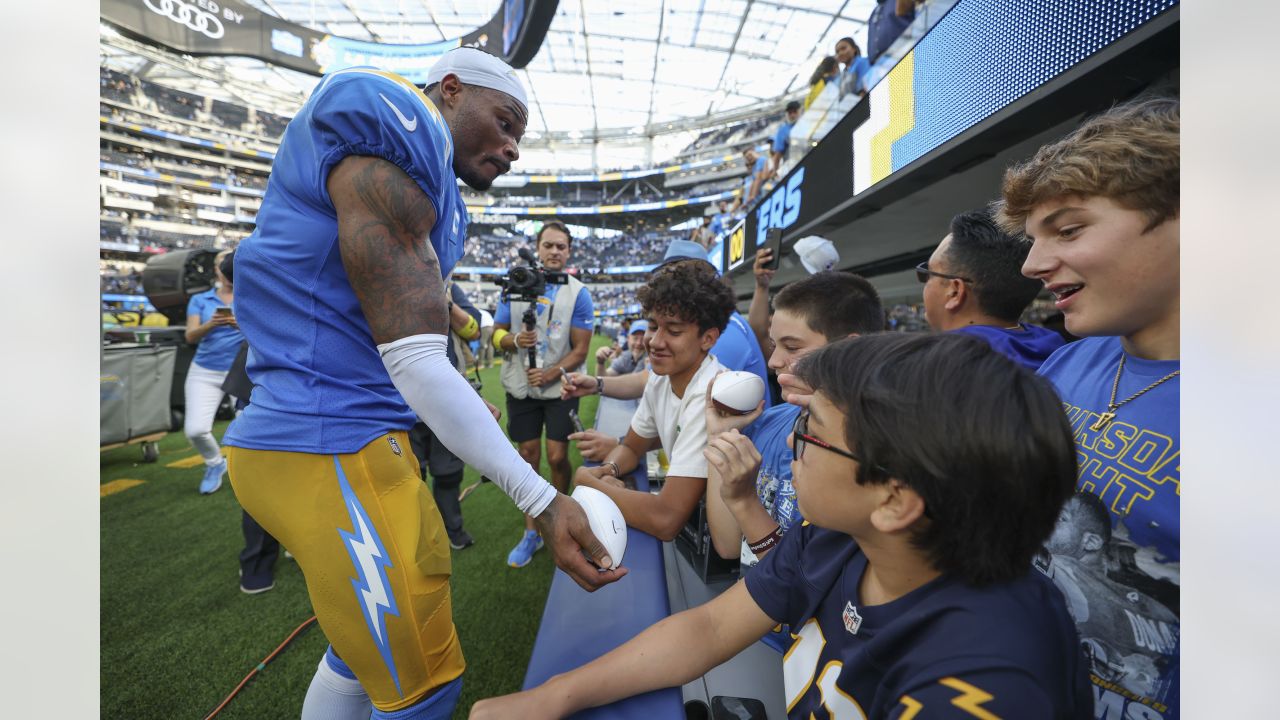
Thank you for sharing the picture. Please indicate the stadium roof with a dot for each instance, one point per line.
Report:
(606, 70)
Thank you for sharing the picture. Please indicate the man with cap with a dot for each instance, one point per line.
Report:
(736, 349)
(345, 308)
(973, 284)
(782, 138)
(631, 360)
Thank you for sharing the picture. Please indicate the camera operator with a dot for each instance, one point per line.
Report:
(559, 340)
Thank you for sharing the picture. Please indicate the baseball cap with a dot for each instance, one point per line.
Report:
(639, 326)
(816, 253)
(477, 67)
(685, 250)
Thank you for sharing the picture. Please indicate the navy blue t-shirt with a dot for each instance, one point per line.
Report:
(944, 650)
(1028, 345)
(884, 26)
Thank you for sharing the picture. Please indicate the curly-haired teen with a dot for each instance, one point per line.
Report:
(687, 308)
(1101, 209)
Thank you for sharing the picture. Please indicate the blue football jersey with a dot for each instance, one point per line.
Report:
(320, 385)
(944, 650)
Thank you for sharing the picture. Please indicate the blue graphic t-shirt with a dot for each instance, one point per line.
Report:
(1115, 552)
(216, 350)
(943, 650)
(319, 382)
(773, 482)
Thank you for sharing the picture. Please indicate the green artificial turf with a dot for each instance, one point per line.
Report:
(177, 635)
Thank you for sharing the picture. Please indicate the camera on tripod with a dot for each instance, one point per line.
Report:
(528, 282)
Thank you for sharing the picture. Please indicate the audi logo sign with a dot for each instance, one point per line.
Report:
(191, 15)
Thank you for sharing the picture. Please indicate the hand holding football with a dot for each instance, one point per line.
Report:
(737, 392)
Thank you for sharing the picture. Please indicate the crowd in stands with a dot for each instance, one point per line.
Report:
(491, 251)
(119, 279)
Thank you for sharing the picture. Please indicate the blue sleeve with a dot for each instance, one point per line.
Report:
(774, 583)
(759, 165)
(861, 68)
(502, 316)
(780, 139)
(361, 111)
(195, 305)
(986, 692)
(584, 312)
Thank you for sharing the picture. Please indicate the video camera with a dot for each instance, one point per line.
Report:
(528, 282)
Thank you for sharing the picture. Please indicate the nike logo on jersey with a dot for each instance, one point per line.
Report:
(409, 124)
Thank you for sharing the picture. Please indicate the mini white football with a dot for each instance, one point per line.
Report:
(737, 392)
(606, 521)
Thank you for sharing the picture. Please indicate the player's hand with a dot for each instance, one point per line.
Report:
(576, 385)
(564, 528)
(764, 275)
(735, 460)
(493, 410)
(593, 444)
(603, 354)
(526, 338)
(719, 422)
(794, 390)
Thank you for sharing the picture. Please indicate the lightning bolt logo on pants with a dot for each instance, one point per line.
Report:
(370, 560)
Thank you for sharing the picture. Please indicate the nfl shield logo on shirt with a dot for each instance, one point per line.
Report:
(852, 620)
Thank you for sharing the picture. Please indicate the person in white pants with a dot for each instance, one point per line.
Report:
(211, 325)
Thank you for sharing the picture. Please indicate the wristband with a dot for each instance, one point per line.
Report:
(600, 385)
(767, 542)
(470, 330)
(498, 334)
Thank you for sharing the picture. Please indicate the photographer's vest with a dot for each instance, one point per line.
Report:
(553, 343)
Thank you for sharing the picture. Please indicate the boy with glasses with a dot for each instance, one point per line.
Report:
(1101, 208)
(909, 590)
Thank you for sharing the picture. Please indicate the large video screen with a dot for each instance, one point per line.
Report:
(978, 59)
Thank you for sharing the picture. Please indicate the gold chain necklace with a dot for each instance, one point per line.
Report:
(1105, 418)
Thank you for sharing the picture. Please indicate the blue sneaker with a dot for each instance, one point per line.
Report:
(522, 553)
(213, 477)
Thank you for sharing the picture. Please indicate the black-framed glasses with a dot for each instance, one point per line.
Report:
(802, 437)
(923, 272)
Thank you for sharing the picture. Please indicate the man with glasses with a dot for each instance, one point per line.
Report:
(910, 590)
(973, 284)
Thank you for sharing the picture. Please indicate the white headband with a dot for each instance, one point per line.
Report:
(477, 67)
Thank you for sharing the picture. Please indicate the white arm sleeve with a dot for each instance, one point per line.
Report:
(444, 400)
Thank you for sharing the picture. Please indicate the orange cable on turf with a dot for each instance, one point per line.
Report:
(260, 666)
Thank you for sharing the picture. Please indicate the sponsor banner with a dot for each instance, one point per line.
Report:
(229, 27)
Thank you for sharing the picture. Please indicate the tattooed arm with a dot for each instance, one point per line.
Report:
(384, 229)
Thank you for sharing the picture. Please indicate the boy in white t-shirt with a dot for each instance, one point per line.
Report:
(687, 308)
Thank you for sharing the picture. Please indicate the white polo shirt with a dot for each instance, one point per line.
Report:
(680, 423)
